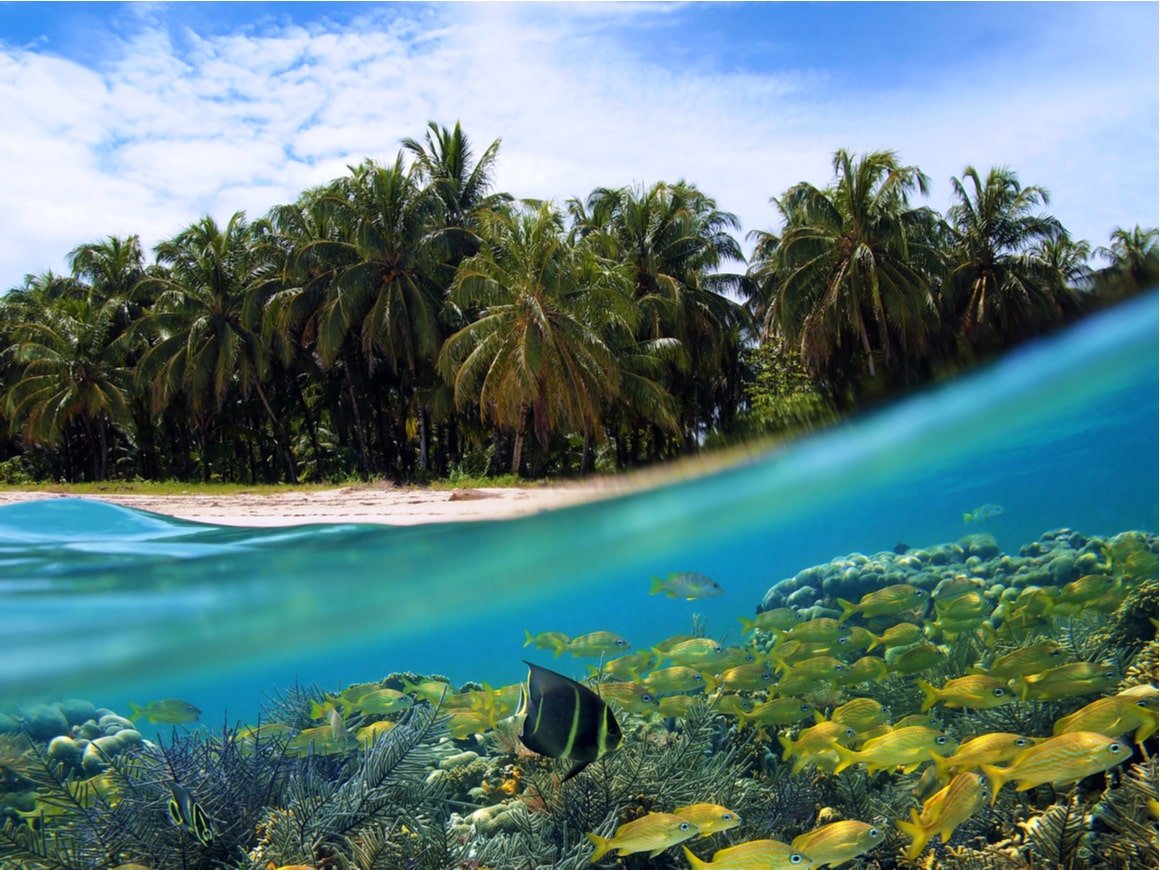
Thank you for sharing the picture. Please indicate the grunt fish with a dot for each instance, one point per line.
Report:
(652, 833)
(838, 842)
(687, 585)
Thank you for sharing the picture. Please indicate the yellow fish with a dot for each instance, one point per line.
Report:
(868, 669)
(778, 711)
(992, 748)
(914, 659)
(742, 678)
(633, 697)
(857, 641)
(902, 634)
(678, 706)
(382, 702)
(626, 667)
(966, 606)
(596, 644)
(171, 711)
(861, 714)
(1086, 588)
(556, 641)
(825, 668)
(687, 585)
(1065, 681)
(369, 733)
(838, 842)
(780, 619)
(1031, 659)
(652, 833)
(1058, 760)
(945, 811)
(1113, 717)
(319, 740)
(434, 691)
(887, 601)
(816, 745)
(902, 747)
(754, 855)
(709, 818)
(694, 651)
(675, 679)
(975, 692)
(821, 630)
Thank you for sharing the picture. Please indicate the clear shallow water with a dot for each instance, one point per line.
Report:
(115, 605)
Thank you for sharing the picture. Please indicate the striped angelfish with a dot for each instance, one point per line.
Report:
(563, 719)
(186, 813)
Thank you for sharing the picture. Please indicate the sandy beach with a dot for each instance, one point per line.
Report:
(396, 506)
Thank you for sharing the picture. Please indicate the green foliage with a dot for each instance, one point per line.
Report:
(783, 397)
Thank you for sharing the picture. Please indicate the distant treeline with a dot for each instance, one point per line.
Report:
(407, 321)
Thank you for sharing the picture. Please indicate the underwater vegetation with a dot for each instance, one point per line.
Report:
(945, 707)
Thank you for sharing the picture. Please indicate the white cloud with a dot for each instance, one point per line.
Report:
(175, 124)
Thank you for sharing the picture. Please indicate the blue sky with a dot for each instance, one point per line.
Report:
(123, 118)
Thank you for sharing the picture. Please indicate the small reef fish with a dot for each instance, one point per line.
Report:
(319, 740)
(553, 641)
(944, 811)
(677, 706)
(633, 697)
(626, 667)
(993, 748)
(903, 747)
(433, 691)
(687, 585)
(563, 719)
(1113, 716)
(975, 692)
(597, 644)
(337, 726)
(820, 630)
(780, 619)
(982, 513)
(1065, 681)
(171, 711)
(1032, 659)
(369, 733)
(652, 833)
(778, 711)
(742, 678)
(692, 652)
(838, 842)
(754, 855)
(816, 745)
(1058, 760)
(857, 641)
(186, 813)
(678, 678)
(861, 714)
(709, 818)
(887, 601)
(914, 659)
(868, 669)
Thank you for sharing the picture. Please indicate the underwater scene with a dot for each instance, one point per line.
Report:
(924, 638)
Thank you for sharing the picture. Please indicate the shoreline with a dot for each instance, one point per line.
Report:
(385, 505)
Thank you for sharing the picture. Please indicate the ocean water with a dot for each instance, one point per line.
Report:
(115, 605)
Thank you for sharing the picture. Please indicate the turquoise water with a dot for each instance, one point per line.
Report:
(115, 605)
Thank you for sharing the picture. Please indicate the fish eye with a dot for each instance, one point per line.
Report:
(1000, 692)
(1115, 747)
(1143, 703)
(727, 817)
(1056, 653)
(621, 643)
(839, 667)
(874, 833)
(646, 697)
(684, 826)
(1020, 742)
(941, 739)
(767, 676)
(850, 732)
(718, 648)
(805, 708)
(795, 858)
(749, 657)
(697, 678)
(843, 640)
(1110, 674)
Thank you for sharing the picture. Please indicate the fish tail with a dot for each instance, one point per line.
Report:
(747, 625)
(694, 862)
(602, 844)
(136, 711)
(847, 758)
(657, 587)
(875, 641)
(966, 518)
(819, 717)
(528, 639)
(849, 608)
(1146, 730)
(929, 695)
(787, 746)
(917, 833)
(1022, 687)
(996, 777)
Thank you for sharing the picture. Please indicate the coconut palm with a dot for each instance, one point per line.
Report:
(997, 285)
(1133, 258)
(531, 352)
(850, 277)
(205, 325)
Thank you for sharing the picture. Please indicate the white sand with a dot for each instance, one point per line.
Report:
(397, 506)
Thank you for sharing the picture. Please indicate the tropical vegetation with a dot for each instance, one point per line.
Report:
(407, 321)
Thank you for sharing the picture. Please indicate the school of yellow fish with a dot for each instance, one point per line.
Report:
(767, 681)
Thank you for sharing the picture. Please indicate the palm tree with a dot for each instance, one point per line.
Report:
(205, 325)
(852, 269)
(1133, 258)
(530, 351)
(70, 372)
(997, 283)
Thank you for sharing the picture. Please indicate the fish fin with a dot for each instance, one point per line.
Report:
(849, 608)
(1021, 686)
(875, 641)
(747, 625)
(940, 764)
(136, 711)
(996, 776)
(528, 639)
(787, 745)
(694, 862)
(575, 770)
(602, 845)
(658, 586)
(918, 837)
(966, 518)
(818, 717)
(929, 695)
(846, 757)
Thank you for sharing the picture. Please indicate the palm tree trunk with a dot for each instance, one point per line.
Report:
(280, 438)
(422, 439)
(359, 440)
(517, 452)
